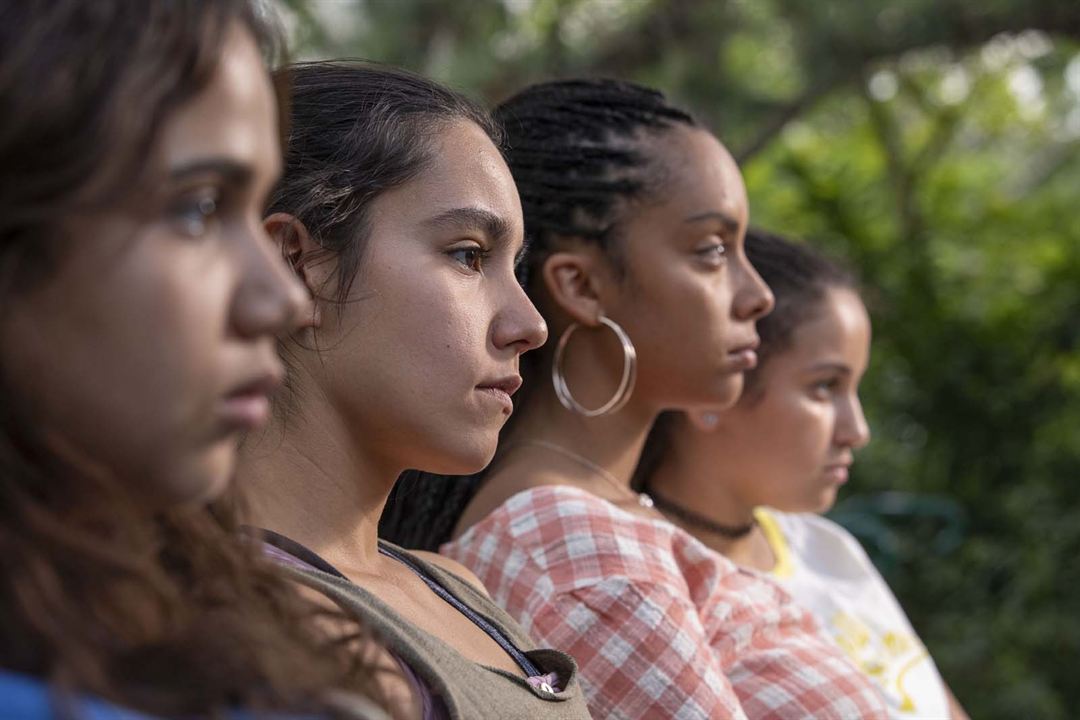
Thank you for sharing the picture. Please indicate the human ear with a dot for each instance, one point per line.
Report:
(298, 248)
(574, 282)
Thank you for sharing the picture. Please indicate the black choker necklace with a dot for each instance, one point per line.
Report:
(700, 522)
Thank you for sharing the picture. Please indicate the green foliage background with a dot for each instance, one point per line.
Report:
(934, 145)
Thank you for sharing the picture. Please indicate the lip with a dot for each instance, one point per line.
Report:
(247, 405)
(501, 390)
(838, 472)
(743, 356)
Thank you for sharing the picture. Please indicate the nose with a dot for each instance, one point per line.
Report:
(518, 324)
(753, 298)
(269, 298)
(852, 430)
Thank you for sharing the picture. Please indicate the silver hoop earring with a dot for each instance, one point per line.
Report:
(626, 383)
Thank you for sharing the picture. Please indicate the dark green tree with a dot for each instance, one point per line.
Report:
(934, 145)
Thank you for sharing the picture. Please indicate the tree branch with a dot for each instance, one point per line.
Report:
(776, 124)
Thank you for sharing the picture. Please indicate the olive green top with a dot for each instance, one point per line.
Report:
(468, 689)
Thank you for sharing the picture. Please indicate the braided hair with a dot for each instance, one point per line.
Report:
(576, 156)
(577, 153)
(799, 278)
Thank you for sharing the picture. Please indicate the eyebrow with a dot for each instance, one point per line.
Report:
(729, 223)
(233, 172)
(832, 367)
(497, 228)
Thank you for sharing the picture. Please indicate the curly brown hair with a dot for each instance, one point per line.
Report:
(172, 612)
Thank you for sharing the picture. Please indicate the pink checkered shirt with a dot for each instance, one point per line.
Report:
(661, 626)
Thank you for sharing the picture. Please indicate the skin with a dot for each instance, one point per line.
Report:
(399, 381)
(151, 346)
(808, 413)
(787, 444)
(682, 290)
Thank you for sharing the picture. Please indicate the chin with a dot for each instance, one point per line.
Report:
(466, 458)
(826, 501)
(728, 392)
(202, 479)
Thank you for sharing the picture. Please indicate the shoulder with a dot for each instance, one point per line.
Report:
(569, 526)
(824, 546)
(556, 512)
(821, 531)
(570, 539)
(453, 567)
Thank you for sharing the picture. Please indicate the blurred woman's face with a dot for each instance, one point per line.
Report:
(789, 444)
(421, 361)
(150, 347)
(690, 297)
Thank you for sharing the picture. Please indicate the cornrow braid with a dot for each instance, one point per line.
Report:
(423, 508)
(576, 153)
(573, 147)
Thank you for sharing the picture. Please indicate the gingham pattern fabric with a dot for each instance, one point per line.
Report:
(661, 626)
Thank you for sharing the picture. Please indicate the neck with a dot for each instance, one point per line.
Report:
(311, 481)
(700, 522)
(612, 442)
(697, 496)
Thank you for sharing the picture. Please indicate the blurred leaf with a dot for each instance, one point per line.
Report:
(934, 145)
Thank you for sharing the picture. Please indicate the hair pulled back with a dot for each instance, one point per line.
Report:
(799, 278)
(574, 148)
(577, 153)
(173, 613)
(357, 130)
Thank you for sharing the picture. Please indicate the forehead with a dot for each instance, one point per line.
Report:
(839, 326)
(233, 117)
(697, 174)
(466, 170)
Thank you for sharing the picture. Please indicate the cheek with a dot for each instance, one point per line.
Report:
(806, 429)
(414, 346)
(170, 310)
(165, 365)
(451, 322)
(679, 316)
(441, 327)
(680, 332)
(125, 367)
(410, 369)
(193, 333)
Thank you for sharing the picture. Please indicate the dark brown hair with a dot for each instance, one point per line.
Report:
(173, 613)
(356, 130)
(799, 278)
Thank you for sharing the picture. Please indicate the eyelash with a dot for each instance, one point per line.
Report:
(719, 249)
(478, 254)
(195, 213)
(825, 386)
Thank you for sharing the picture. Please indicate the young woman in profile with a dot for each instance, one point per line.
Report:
(398, 212)
(635, 217)
(788, 444)
(140, 302)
